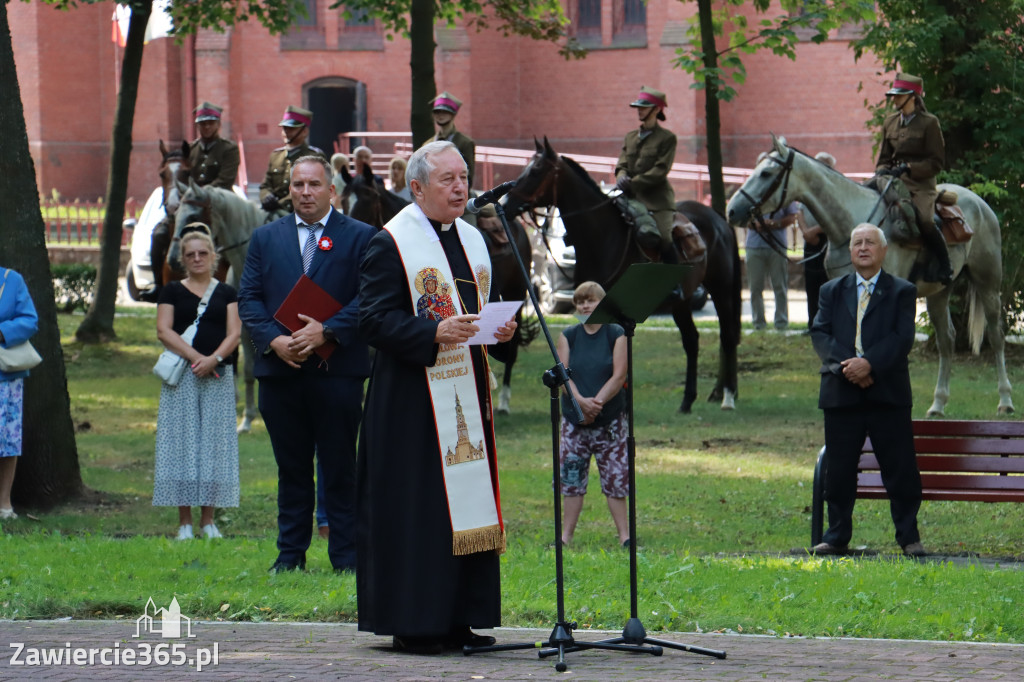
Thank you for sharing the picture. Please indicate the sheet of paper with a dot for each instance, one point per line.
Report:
(493, 315)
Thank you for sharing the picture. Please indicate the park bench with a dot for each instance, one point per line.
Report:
(981, 461)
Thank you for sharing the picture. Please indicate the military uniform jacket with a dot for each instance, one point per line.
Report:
(647, 163)
(466, 147)
(280, 167)
(216, 166)
(918, 144)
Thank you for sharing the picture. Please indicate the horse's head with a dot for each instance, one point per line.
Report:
(765, 190)
(535, 186)
(194, 207)
(174, 174)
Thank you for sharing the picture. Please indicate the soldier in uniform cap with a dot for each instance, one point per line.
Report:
(274, 190)
(647, 156)
(446, 106)
(212, 159)
(914, 151)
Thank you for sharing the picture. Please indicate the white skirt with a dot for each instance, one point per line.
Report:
(196, 443)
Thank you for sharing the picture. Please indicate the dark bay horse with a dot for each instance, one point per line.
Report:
(606, 246)
(375, 206)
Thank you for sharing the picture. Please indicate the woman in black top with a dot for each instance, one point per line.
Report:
(196, 442)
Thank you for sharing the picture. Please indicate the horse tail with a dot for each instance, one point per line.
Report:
(975, 320)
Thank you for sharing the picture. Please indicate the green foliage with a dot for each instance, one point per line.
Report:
(536, 19)
(969, 54)
(812, 19)
(72, 286)
(275, 15)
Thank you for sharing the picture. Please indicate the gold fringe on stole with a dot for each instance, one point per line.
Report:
(481, 539)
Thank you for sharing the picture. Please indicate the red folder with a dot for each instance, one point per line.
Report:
(309, 298)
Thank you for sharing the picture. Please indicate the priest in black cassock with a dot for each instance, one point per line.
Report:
(429, 528)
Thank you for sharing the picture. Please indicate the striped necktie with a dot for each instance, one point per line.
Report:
(862, 305)
(309, 248)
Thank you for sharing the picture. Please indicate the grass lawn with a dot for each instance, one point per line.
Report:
(723, 498)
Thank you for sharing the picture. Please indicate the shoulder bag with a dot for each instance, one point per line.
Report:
(21, 356)
(170, 366)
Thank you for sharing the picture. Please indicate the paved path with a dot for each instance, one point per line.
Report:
(304, 651)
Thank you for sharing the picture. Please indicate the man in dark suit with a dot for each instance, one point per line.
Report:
(310, 405)
(863, 332)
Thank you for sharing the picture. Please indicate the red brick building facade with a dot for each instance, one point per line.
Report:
(353, 78)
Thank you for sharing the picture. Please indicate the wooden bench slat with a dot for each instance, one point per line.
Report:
(927, 427)
(963, 446)
(981, 464)
(937, 481)
(949, 495)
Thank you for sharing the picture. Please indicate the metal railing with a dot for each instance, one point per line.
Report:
(81, 222)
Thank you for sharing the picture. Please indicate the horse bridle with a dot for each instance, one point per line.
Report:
(529, 204)
(755, 205)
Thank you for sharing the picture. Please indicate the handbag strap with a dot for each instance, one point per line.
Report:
(5, 282)
(190, 334)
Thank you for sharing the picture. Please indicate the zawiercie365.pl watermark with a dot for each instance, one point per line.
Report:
(165, 622)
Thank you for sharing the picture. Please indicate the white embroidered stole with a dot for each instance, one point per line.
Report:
(473, 501)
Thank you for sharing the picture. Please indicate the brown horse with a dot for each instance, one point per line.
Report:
(606, 246)
(375, 206)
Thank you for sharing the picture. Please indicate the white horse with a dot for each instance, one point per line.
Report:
(232, 220)
(840, 204)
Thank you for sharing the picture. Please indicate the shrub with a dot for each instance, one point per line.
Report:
(72, 285)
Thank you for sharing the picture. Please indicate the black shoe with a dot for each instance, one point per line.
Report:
(423, 646)
(914, 550)
(467, 637)
(284, 567)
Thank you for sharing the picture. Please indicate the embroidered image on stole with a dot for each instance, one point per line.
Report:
(473, 503)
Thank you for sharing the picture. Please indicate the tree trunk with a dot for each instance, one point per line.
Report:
(421, 63)
(712, 115)
(48, 469)
(98, 325)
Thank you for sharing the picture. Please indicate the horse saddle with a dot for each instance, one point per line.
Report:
(902, 216)
(687, 239)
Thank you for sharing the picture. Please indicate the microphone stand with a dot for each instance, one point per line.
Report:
(560, 640)
(632, 299)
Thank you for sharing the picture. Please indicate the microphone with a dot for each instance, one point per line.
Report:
(491, 196)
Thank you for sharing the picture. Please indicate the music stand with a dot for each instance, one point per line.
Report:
(631, 300)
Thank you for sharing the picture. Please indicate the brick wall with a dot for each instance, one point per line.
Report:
(513, 89)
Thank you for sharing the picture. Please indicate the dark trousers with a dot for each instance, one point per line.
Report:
(814, 278)
(305, 415)
(892, 435)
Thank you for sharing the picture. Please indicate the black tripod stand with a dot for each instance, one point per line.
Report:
(633, 298)
(561, 640)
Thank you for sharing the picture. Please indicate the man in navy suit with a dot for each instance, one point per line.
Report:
(863, 332)
(310, 405)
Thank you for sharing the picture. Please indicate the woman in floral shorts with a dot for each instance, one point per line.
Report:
(596, 356)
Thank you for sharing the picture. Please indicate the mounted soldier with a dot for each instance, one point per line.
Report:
(212, 159)
(913, 151)
(274, 190)
(642, 170)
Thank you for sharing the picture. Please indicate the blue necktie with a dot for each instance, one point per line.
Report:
(309, 248)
